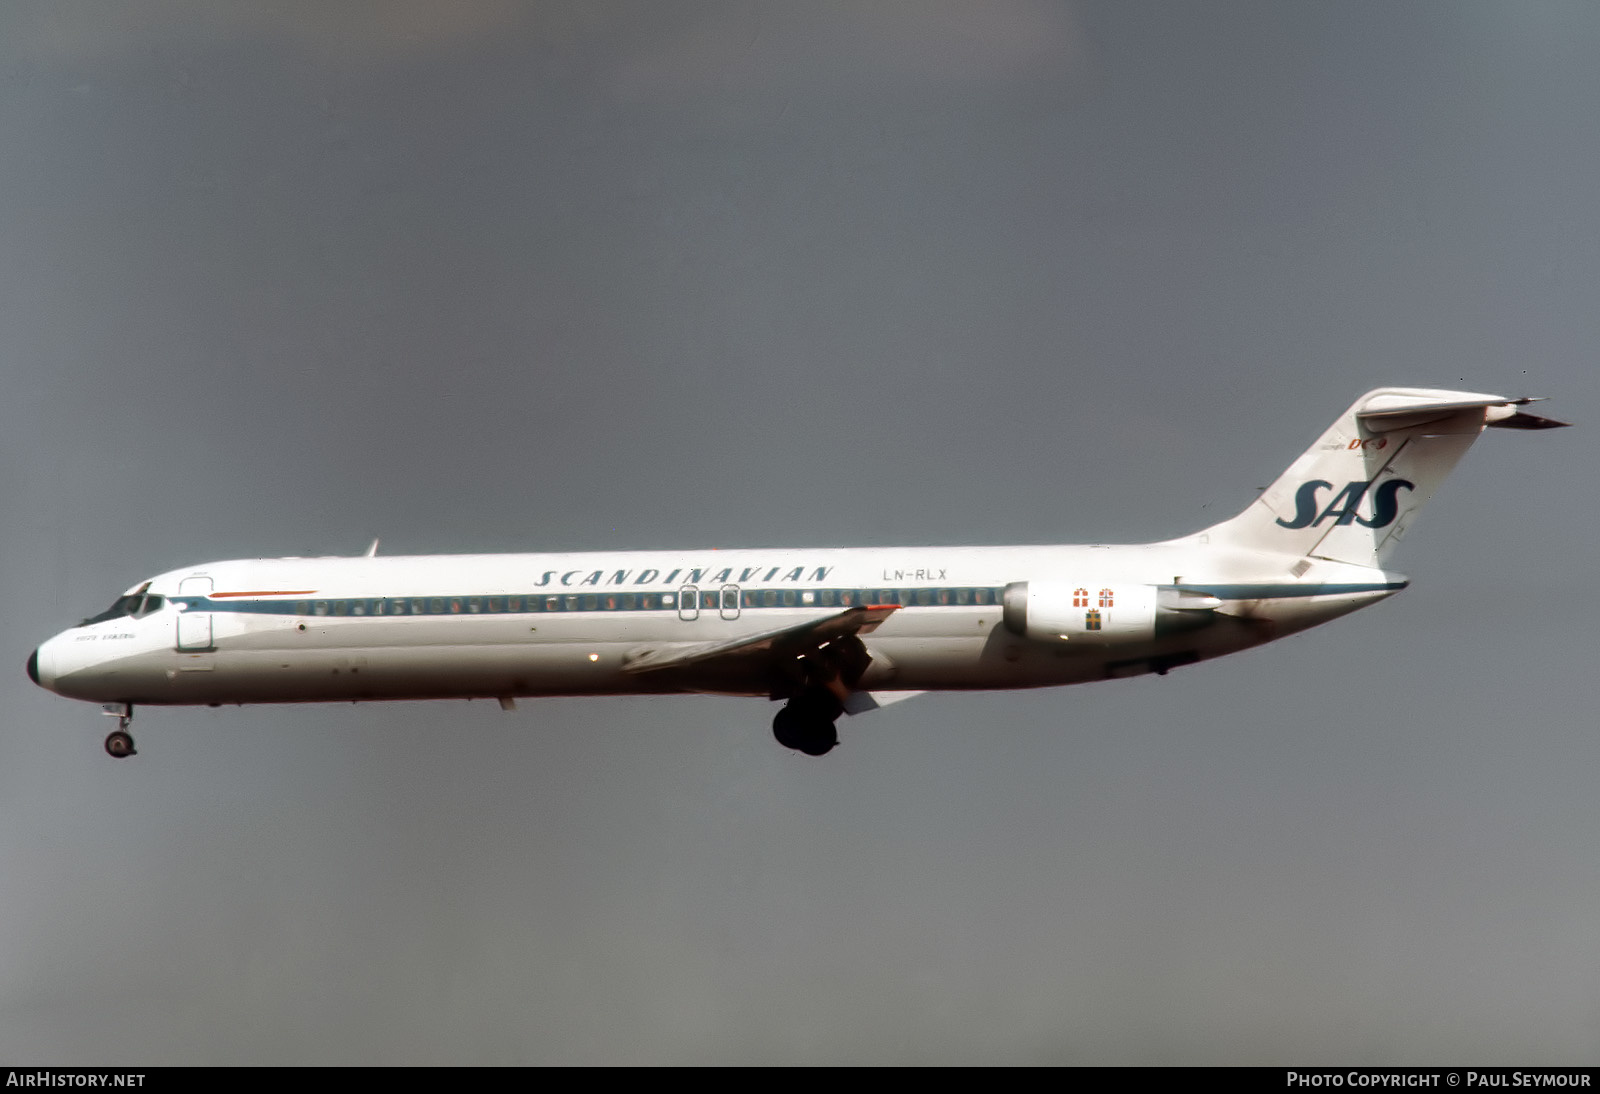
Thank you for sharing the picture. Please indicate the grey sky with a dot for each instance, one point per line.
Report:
(276, 279)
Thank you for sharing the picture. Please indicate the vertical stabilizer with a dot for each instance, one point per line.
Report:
(1353, 495)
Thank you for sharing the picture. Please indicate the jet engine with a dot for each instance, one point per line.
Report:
(1110, 614)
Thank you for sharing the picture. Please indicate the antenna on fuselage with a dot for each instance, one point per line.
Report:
(372, 550)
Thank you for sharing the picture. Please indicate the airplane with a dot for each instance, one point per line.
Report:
(826, 631)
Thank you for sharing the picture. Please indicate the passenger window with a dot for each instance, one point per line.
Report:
(475, 604)
(436, 605)
(826, 598)
(647, 601)
(980, 596)
(629, 602)
(358, 607)
(302, 607)
(708, 600)
(788, 598)
(846, 597)
(963, 596)
(924, 596)
(666, 600)
(769, 597)
(341, 607)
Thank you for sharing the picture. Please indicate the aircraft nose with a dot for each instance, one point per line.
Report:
(44, 678)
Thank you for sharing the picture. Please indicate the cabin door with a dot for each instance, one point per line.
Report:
(194, 625)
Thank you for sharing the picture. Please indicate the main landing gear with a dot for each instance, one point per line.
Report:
(805, 723)
(119, 742)
(818, 680)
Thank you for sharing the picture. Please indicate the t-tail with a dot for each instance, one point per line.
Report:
(1353, 495)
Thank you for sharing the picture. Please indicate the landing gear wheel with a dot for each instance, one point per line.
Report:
(119, 743)
(805, 724)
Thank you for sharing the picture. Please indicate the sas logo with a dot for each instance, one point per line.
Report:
(1345, 505)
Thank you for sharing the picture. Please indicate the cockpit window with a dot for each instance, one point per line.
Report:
(137, 605)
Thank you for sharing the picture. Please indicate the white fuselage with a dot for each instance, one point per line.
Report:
(503, 626)
(829, 630)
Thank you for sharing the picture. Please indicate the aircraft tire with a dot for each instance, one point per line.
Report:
(805, 724)
(119, 744)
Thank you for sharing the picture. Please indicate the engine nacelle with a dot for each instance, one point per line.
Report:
(1103, 614)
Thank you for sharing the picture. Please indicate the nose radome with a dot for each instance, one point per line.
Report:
(33, 666)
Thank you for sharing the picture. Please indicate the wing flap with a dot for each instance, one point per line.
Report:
(859, 702)
(796, 640)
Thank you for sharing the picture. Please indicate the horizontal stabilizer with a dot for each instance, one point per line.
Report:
(1508, 417)
(1394, 410)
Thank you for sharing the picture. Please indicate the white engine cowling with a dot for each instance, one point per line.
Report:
(1103, 614)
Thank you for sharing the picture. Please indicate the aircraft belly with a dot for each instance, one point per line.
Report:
(1287, 616)
(1002, 660)
(417, 672)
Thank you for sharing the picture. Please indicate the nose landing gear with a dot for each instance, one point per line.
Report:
(119, 742)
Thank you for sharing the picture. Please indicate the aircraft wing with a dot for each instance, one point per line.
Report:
(798, 640)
